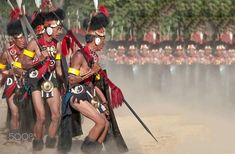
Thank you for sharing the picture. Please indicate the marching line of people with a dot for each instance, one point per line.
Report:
(170, 52)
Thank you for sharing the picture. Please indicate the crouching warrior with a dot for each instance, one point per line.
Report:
(42, 59)
(83, 95)
(12, 73)
(95, 39)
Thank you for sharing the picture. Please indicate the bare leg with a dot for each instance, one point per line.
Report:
(40, 113)
(105, 131)
(54, 105)
(90, 112)
(14, 112)
(100, 94)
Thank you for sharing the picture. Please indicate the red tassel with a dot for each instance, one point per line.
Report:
(104, 10)
(15, 14)
(117, 97)
(10, 89)
(116, 93)
(43, 69)
(64, 46)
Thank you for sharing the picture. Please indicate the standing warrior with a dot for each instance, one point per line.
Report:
(42, 59)
(132, 55)
(179, 54)
(167, 57)
(219, 57)
(120, 56)
(144, 54)
(12, 68)
(208, 57)
(192, 55)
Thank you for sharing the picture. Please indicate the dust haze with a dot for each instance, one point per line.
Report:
(189, 109)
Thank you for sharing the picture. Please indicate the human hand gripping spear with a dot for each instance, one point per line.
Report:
(116, 93)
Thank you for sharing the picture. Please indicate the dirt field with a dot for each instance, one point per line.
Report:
(181, 125)
(179, 128)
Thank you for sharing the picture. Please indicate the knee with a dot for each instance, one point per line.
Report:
(55, 117)
(101, 123)
(107, 124)
(41, 119)
(15, 115)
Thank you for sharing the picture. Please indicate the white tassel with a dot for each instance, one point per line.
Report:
(96, 4)
(23, 9)
(9, 2)
(19, 3)
(38, 3)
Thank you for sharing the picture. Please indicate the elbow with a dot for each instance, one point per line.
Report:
(74, 80)
(71, 81)
(59, 74)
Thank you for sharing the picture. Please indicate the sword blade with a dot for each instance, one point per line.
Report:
(24, 30)
(25, 20)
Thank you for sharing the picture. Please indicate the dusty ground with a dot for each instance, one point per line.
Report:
(182, 125)
(179, 130)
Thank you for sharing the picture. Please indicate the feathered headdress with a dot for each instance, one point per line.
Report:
(98, 21)
(14, 28)
(38, 22)
(54, 15)
(15, 14)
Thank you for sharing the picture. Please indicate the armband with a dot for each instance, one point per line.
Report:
(58, 57)
(17, 64)
(2, 66)
(74, 71)
(28, 53)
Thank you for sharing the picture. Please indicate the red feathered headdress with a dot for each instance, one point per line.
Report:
(104, 10)
(15, 14)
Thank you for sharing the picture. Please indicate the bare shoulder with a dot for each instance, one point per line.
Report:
(77, 59)
(32, 45)
(78, 56)
(3, 56)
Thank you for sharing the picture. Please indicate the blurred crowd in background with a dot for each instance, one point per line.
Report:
(170, 52)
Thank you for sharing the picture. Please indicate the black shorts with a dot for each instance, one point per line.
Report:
(35, 83)
(82, 92)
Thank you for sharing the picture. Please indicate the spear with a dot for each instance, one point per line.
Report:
(138, 118)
